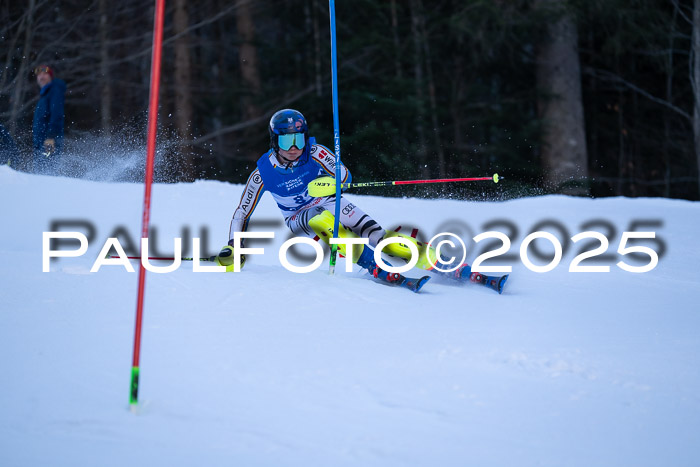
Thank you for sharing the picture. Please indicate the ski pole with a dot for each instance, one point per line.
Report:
(162, 258)
(336, 137)
(325, 186)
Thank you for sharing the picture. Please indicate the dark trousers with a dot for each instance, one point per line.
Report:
(46, 164)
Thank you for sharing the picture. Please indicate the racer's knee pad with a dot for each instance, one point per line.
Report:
(322, 225)
(427, 257)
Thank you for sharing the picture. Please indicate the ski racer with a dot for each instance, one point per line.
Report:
(285, 170)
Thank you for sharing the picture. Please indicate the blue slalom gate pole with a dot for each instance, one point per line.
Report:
(336, 136)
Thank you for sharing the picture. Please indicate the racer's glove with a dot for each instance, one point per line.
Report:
(225, 257)
(49, 146)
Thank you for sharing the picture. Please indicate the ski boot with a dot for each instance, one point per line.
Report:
(366, 261)
(464, 274)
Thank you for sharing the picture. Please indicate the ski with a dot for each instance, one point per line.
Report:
(398, 280)
(414, 284)
(464, 274)
(493, 282)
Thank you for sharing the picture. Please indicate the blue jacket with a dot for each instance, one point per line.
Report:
(49, 114)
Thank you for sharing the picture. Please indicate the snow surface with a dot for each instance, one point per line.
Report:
(269, 367)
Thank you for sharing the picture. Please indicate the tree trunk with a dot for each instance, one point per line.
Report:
(457, 94)
(420, 117)
(20, 82)
(183, 90)
(696, 83)
(105, 78)
(564, 155)
(18, 92)
(622, 164)
(397, 43)
(669, 97)
(433, 104)
(248, 59)
(317, 48)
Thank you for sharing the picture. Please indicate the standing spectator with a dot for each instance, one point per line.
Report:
(9, 154)
(48, 120)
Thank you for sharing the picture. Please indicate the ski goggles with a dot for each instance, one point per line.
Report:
(285, 142)
(42, 69)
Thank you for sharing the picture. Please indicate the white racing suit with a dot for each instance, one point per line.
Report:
(288, 186)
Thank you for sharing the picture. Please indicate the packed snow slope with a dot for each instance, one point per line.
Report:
(270, 367)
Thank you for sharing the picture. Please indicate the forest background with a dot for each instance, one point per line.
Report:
(588, 97)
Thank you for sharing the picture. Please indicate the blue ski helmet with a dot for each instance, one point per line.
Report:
(286, 122)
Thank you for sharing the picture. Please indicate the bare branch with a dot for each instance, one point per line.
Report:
(609, 76)
(253, 122)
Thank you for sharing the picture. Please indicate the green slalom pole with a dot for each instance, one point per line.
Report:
(134, 390)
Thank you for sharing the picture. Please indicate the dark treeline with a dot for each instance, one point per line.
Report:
(582, 96)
